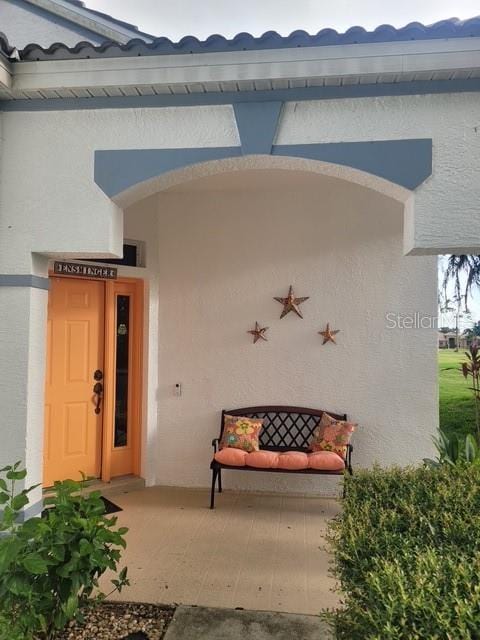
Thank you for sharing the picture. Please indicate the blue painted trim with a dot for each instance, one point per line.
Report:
(21, 280)
(116, 171)
(218, 98)
(32, 511)
(257, 125)
(404, 162)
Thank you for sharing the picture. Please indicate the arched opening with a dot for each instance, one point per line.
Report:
(170, 179)
(223, 239)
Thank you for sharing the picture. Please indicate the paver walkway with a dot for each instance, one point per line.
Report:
(205, 623)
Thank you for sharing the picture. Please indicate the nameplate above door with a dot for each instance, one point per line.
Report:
(84, 270)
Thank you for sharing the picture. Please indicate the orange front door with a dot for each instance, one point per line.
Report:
(75, 351)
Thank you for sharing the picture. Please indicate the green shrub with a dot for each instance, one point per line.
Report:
(407, 555)
(50, 566)
(454, 449)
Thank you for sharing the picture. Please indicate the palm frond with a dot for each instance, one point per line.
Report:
(456, 267)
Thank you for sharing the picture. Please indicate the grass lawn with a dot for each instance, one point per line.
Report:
(457, 409)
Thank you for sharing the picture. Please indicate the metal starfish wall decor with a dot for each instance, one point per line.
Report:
(258, 333)
(329, 334)
(290, 303)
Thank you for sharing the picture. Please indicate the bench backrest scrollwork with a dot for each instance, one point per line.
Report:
(285, 428)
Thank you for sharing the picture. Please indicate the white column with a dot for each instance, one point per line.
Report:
(23, 311)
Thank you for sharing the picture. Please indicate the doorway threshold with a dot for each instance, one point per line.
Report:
(122, 484)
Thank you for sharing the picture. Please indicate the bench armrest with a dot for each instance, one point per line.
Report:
(215, 442)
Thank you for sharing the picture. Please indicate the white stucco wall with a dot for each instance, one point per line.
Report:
(446, 215)
(22, 355)
(227, 246)
(23, 24)
(49, 202)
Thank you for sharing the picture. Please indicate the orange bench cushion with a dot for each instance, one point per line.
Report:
(290, 460)
(262, 459)
(232, 457)
(293, 461)
(325, 461)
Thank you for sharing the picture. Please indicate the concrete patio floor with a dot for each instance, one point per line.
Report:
(260, 552)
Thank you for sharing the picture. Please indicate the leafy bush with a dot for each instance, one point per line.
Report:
(407, 555)
(50, 566)
(471, 371)
(455, 449)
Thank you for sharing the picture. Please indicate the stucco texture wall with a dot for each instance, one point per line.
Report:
(350, 264)
(445, 213)
(50, 204)
(226, 246)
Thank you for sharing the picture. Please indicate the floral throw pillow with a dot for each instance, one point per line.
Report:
(241, 433)
(332, 435)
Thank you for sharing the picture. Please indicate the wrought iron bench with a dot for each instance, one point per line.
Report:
(284, 429)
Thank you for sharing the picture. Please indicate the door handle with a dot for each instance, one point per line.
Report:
(98, 391)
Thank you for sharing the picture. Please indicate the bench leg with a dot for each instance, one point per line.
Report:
(212, 494)
(219, 481)
(350, 471)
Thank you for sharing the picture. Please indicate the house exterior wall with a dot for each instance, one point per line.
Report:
(24, 23)
(59, 208)
(22, 354)
(51, 155)
(445, 215)
(223, 254)
(50, 206)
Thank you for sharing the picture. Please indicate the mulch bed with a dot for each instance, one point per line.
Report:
(121, 621)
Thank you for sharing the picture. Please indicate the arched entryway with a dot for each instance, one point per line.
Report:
(222, 240)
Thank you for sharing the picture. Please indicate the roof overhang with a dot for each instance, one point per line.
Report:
(247, 71)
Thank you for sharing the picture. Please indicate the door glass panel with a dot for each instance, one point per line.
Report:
(121, 372)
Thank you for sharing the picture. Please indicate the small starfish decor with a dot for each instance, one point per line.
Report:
(290, 303)
(329, 334)
(258, 333)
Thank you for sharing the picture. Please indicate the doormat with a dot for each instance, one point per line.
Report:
(110, 507)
